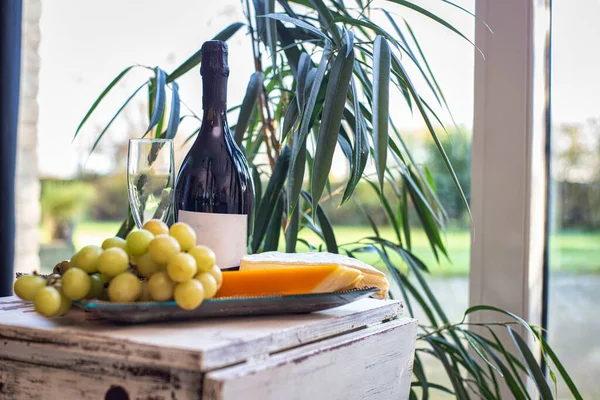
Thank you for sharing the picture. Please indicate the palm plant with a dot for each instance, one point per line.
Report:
(323, 75)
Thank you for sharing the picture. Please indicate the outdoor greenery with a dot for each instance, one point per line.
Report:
(324, 72)
(63, 204)
(574, 252)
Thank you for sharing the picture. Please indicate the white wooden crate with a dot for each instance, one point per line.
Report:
(359, 351)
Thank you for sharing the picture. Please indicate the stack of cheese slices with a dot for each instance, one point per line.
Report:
(299, 273)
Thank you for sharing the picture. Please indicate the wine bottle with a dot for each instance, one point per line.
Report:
(214, 193)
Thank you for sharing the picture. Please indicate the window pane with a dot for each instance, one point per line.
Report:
(575, 198)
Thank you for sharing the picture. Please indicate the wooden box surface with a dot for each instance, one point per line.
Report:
(361, 350)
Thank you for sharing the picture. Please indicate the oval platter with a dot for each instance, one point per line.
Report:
(133, 313)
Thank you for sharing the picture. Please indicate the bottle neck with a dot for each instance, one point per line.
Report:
(214, 92)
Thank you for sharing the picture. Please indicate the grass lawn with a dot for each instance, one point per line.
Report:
(572, 252)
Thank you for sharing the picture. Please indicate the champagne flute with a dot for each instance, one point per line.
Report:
(150, 179)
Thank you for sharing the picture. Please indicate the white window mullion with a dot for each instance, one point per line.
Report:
(508, 190)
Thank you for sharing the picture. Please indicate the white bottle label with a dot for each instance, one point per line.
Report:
(225, 234)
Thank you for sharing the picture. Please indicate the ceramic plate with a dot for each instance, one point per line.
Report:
(222, 307)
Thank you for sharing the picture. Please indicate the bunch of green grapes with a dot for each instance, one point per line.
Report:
(154, 263)
(176, 267)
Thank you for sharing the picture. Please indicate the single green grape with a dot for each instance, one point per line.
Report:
(47, 301)
(65, 305)
(145, 294)
(215, 271)
(161, 287)
(163, 247)
(138, 241)
(182, 267)
(146, 266)
(157, 227)
(113, 261)
(189, 295)
(209, 283)
(27, 286)
(96, 287)
(76, 283)
(124, 288)
(184, 234)
(87, 259)
(204, 256)
(114, 242)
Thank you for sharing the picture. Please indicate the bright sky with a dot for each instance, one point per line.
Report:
(86, 43)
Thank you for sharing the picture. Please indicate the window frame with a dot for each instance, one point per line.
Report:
(510, 154)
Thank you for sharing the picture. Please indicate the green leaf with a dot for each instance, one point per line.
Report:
(563, 372)
(403, 212)
(476, 346)
(513, 361)
(470, 13)
(326, 228)
(464, 359)
(115, 117)
(252, 92)
(127, 226)
(473, 309)
(434, 386)
(437, 141)
(416, 265)
(195, 58)
(435, 90)
(535, 372)
(274, 229)
(257, 188)
(387, 208)
(396, 153)
(453, 373)
(291, 232)
(102, 95)
(335, 101)
(296, 178)
(288, 9)
(272, 192)
(289, 46)
(299, 144)
(303, 66)
(381, 103)
(326, 19)
(271, 32)
(424, 212)
(159, 100)
(159, 126)
(361, 144)
(517, 392)
(369, 218)
(349, 41)
(310, 78)
(290, 119)
(174, 114)
(344, 143)
(434, 17)
(419, 372)
(297, 22)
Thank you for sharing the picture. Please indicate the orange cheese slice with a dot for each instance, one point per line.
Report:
(287, 281)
